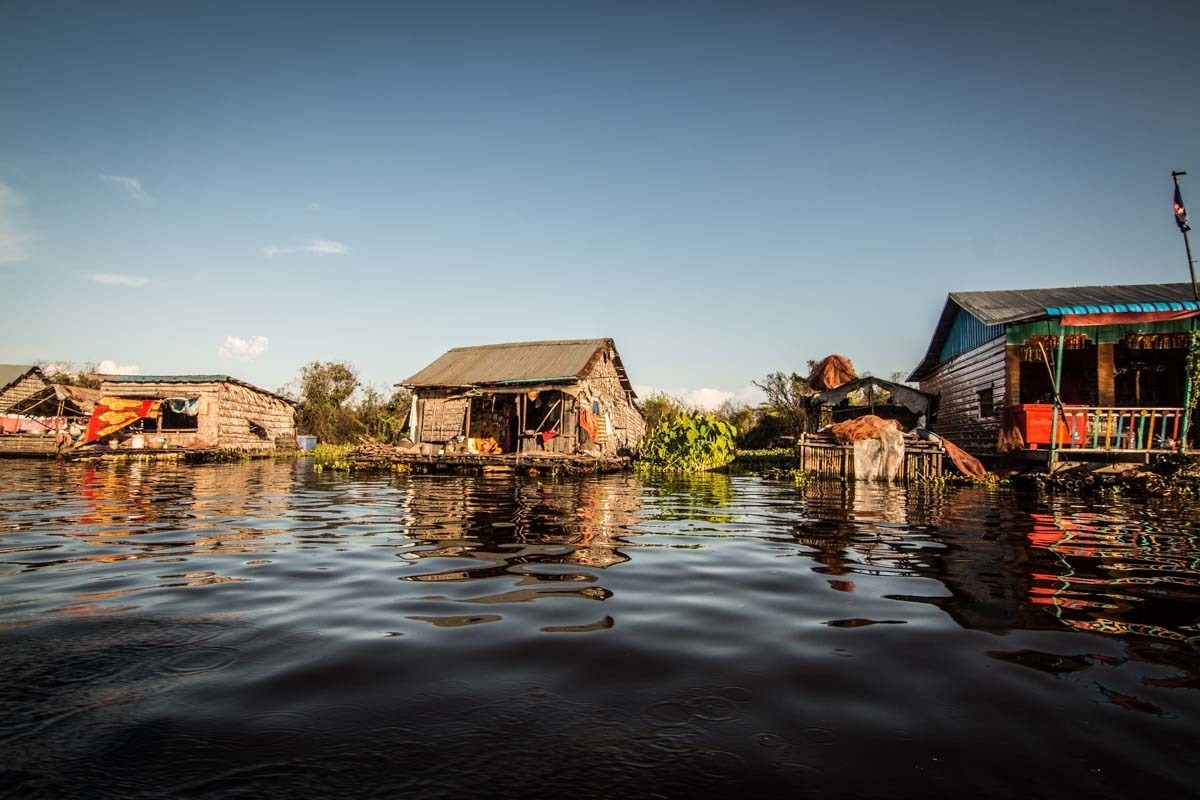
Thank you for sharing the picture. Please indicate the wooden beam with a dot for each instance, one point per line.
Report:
(1106, 394)
(1012, 374)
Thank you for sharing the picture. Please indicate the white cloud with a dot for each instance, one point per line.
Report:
(317, 247)
(113, 279)
(706, 398)
(15, 237)
(315, 207)
(108, 367)
(236, 349)
(131, 186)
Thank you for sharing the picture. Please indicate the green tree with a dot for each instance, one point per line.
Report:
(787, 400)
(323, 391)
(384, 418)
(658, 407)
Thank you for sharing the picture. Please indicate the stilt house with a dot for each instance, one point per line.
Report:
(1116, 353)
(561, 396)
(192, 412)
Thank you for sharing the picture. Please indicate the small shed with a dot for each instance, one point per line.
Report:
(19, 382)
(527, 397)
(910, 407)
(191, 412)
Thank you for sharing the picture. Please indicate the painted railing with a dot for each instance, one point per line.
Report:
(1120, 428)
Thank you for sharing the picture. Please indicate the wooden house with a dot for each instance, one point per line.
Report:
(1116, 353)
(526, 397)
(190, 412)
(19, 382)
(46, 422)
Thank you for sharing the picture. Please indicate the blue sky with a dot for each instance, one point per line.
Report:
(727, 189)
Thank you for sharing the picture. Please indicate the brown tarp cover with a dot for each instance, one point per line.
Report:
(862, 428)
(832, 372)
(967, 464)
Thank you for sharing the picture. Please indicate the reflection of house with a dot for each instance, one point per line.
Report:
(19, 382)
(527, 397)
(194, 412)
(994, 355)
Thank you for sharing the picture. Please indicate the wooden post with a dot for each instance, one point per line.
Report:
(1012, 374)
(1106, 393)
(1062, 336)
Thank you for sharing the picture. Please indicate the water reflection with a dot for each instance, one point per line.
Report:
(255, 629)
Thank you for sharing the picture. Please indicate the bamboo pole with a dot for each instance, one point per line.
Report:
(1062, 335)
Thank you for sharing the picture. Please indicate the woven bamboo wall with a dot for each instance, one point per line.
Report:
(602, 383)
(21, 390)
(922, 461)
(207, 433)
(238, 406)
(442, 416)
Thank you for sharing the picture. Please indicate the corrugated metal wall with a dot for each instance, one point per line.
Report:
(966, 334)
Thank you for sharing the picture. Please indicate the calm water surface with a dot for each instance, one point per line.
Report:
(255, 630)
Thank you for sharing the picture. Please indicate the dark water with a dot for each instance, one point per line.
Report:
(254, 630)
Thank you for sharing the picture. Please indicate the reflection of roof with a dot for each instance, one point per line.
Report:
(912, 399)
(191, 379)
(11, 373)
(517, 363)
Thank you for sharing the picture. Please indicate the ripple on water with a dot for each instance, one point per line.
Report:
(732, 633)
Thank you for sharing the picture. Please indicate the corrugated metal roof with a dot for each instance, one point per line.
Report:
(11, 373)
(1018, 305)
(515, 362)
(135, 379)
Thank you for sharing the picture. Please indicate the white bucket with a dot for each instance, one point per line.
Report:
(137, 442)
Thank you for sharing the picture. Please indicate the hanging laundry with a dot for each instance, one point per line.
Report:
(588, 423)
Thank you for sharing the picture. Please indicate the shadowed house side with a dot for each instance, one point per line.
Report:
(527, 397)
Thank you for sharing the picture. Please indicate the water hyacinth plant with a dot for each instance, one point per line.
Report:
(689, 442)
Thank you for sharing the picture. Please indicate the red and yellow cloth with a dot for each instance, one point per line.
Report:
(114, 413)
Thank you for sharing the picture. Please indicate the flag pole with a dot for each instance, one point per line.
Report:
(1187, 245)
(1182, 221)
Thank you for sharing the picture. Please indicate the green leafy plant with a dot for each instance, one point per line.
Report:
(689, 442)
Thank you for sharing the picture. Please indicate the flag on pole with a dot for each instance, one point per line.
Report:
(1181, 217)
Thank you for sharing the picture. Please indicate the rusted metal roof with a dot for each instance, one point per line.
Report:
(517, 363)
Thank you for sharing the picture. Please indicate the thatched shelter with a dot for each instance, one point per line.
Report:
(191, 412)
(19, 382)
(527, 397)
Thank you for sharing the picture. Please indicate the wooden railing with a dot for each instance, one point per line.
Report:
(1120, 428)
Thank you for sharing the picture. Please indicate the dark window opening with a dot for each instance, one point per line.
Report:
(987, 402)
(257, 430)
(180, 414)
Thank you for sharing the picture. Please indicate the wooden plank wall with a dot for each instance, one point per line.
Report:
(957, 382)
(828, 460)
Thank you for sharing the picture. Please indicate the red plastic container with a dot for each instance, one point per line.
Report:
(1036, 419)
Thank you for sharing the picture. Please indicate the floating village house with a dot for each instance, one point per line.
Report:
(19, 382)
(527, 397)
(1117, 353)
(38, 417)
(197, 413)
